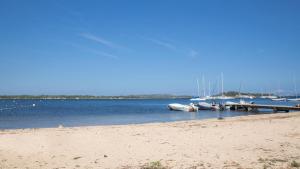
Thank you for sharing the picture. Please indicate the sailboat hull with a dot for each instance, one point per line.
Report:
(279, 99)
(294, 100)
(197, 99)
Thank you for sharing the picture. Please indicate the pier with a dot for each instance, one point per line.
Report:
(255, 107)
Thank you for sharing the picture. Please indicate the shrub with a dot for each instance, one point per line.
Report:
(154, 165)
(295, 164)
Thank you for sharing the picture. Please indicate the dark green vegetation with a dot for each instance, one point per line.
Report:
(154, 165)
(295, 164)
(235, 93)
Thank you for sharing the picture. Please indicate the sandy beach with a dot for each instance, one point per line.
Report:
(256, 141)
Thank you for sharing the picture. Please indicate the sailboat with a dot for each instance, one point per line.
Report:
(295, 90)
(209, 97)
(199, 98)
(294, 99)
(243, 96)
(280, 98)
(269, 97)
(223, 97)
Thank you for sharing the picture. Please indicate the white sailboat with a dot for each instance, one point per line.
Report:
(243, 96)
(294, 99)
(268, 96)
(222, 97)
(246, 97)
(296, 94)
(279, 98)
(209, 97)
(200, 98)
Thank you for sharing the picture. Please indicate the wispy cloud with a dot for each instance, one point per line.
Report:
(95, 51)
(161, 43)
(184, 51)
(193, 53)
(101, 41)
(97, 39)
(104, 54)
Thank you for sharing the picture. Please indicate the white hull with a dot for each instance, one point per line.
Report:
(279, 99)
(241, 102)
(208, 106)
(294, 100)
(269, 97)
(182, 107)
(245, 97)
(197, 99)
(224, 97)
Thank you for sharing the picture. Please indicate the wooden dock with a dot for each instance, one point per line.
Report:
(255, 107)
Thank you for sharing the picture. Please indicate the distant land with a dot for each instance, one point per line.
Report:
(150, 96)
(144, 96)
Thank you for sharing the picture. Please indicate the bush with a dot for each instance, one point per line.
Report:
(295, 164)
(154, 165)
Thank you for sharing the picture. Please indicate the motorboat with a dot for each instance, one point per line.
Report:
(208, 106)
(241, 102)
(182, 107)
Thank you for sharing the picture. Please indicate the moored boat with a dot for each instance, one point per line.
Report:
(197, 99)
(269, 97)
(208, 106)
(294, 99)
(279, 99)
(182, 107)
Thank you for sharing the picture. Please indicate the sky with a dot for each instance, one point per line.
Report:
(126, 47)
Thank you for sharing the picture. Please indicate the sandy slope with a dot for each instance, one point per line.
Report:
(240, 142)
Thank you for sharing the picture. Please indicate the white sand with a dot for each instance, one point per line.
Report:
(239, 142)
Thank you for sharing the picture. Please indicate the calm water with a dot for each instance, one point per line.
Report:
(51, 113)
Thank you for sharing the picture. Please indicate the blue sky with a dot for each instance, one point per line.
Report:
(144, 47)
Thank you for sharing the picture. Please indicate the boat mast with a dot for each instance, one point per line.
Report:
(218, 86)
(208, 87)
(222, 84)
(198, 88)
(203, 83)
(240, 89)
(295, 87)
(279, 90)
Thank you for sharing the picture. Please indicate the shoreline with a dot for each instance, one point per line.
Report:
(252, 141)
(225, 119)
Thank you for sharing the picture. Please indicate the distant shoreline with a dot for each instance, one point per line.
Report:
(88, 97)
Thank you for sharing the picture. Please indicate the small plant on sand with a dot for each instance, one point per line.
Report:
(295, 164)
(265, 166)
(154, 165)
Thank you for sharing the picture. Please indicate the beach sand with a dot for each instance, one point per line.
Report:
(256, 141)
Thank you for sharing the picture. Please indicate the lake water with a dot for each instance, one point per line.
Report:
(52, 113)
